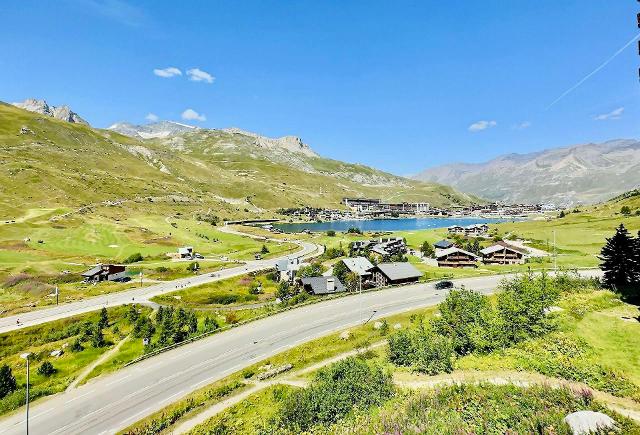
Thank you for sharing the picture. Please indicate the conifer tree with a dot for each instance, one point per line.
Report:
(619, 256)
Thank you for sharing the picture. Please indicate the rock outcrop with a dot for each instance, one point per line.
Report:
(63, 113)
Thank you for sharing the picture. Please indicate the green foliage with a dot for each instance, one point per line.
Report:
(421, 349)
(340, 271)
(331, 253)
(310, 270)
(264, 249)
(194, 266)
(143, 328)
(427, 249)
(210, 324)
(334, 392)
(354, 230)
(132, 314)
(104, 318)
(522, 306)
(133, 258)
(331, 233)
(384, 329)
(467, 318)
(46, 369)
(97, 337)
(7, 381)
(76, 346)
(625, 210)
(621, 263)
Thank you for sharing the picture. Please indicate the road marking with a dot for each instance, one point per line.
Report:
(118, 380)
(78, 397)
(172, 396)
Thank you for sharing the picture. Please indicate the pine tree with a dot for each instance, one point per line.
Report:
(619, 264)
(7, 381)
(104, 318)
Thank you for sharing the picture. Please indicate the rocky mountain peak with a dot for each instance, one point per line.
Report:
(290, 143)
(63, 113)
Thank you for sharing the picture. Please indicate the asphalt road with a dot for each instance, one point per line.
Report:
(112, 402)
(140, 295)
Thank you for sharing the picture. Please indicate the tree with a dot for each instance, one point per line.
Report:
(331, 233)
(620, 262)
(7, 381)
(562, 214)
(133, 258)
(210, 324)
(46, 369)
(104, 318)
(132, 314)
(193, 323)
(283, 290)
(340, 270)
(427, 250)
(264, 249)
(354, 230)
(76, 346)
(97, 337)
(625, 210)
(352, 281)
(311, 270)
(194, 266)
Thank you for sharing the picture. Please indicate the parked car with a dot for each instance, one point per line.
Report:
(441, 285)
(199, 256)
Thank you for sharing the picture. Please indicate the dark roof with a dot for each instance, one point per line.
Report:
(443, 244)
(399, 270)
(93, 271)
(318, 285)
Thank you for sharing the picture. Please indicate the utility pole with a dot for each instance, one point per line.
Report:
(26, 357)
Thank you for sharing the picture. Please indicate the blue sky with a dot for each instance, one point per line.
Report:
(396, 85)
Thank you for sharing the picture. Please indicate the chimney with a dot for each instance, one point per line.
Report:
(331, 284)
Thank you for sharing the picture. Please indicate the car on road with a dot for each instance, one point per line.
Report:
(199, 256)
(442, 285)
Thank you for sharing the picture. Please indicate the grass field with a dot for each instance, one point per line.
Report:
(41, 340)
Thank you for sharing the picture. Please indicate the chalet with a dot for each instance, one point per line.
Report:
(287, 268)
(443, 244)
(322, 285)
(456, 257)
(359, 265)
(105, 272)
(385, 274)
(186, 252)
(456, 229)
(503, 253)
(476, 230)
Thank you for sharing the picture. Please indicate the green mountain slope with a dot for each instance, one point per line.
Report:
(51, 163)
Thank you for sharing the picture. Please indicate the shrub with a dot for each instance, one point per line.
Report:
(46, 369)
(7, 381)
(133, 258)
(421, 349)
(264, 249)
(162, 269)
(354, 230)
(210, 324)
(194, 266)
(76, 346)
(331, 253)
(334, 392)
(331, 233)
(313, 269)
(231, 318)
(466, 317)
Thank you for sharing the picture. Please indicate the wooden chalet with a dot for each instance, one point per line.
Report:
(503, 253)
(456, 257)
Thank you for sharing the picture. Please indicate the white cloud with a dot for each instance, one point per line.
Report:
(197, 75)
(522, 125)
(167, 72)
(482, 125)
(614, 114)
(152, 117)
(192, 115)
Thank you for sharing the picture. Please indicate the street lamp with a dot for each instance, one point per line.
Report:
(26, 357)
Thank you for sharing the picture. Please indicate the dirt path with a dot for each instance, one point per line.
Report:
(105, 356)
(256, 386)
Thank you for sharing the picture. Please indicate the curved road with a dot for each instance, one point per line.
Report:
(141, 295)
(112, 402)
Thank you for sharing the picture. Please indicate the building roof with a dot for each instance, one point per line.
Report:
(443, 244)
(499, 247)
(358, 265)
(318, 284)
(288, 264)
(399, 270)
(453, 250)
(93, 271)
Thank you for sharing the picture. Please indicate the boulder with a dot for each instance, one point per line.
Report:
(56, 353)
(377, 325)
(586, 422)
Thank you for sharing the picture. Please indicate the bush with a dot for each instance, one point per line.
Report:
(331, 233)
(210, 324)
(421, 349)
(333, 394)
(194, 266)
(46, 369)
(133, 258)
(264, 249)
(162, 269)
(313, 269)
(76, 346)
(466, 317)
(331, 253)
(7, 381)
(354, 230)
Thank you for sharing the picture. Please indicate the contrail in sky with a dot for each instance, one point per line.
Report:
(585, 78)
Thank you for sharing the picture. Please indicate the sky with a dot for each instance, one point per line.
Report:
(399, 86)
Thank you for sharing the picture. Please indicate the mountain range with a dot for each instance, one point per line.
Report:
(587, 173)
(67, 164)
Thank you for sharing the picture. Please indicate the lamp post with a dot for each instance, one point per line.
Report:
(26, 357)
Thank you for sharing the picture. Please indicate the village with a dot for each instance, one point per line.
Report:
(369, 208)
